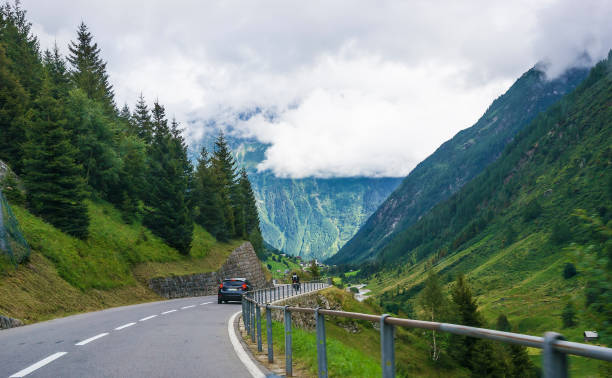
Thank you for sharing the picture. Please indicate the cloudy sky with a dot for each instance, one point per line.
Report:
(359, 88)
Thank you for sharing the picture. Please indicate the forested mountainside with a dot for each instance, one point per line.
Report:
(533, 232)
(310, 217)
(458, 161)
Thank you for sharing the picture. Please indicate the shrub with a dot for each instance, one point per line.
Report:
(569, 271)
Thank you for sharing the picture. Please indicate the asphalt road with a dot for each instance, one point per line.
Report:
(176, 338)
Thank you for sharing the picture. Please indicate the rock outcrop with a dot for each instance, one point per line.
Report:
(242, 262)
(6, 322)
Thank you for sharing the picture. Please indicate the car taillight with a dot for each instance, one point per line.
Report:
(221, 286)
(244, 287)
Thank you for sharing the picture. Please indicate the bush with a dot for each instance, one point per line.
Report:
(532, 211)
(569, 315)
(569, 271)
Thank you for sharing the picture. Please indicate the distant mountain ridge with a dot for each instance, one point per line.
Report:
(309, 217)
(458, 161)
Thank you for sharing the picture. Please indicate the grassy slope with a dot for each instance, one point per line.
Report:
(353, 347)
(66, 275)
(286, 262)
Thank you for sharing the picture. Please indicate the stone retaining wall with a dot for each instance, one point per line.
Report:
(242, 262)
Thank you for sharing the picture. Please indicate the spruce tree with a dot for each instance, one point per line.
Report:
(22, 47)
(89, 70)
(207, 199)
(168, 216)
(476, 354)
(95, 136)
(142, 121)
(58, 73)
(224, 168)
(14, 116)
(52, 177)
(251, 215)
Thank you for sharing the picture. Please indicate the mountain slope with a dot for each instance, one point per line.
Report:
(560, 163)
(309, 217)
(458, 161)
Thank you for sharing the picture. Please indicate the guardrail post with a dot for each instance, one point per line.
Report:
(387, 348)
(554, 363)
(246, 316)
(269, 333)
(288, 362)
(321, 345)
(252, 321)
(258, 314)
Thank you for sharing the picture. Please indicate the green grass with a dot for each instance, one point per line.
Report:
(65, 275)
(278, 267)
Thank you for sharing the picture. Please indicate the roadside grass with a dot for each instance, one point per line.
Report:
(353, 346)
(65, 275)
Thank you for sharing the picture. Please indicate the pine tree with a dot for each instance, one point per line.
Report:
(207, 199)
(53, 179)
(251, 215)
(224, 168)
(14, 116)
(168, 216)
(89, 70)
(95, 136)
(476, 354)
(142, 121)
(22, 47)
(519, 365)
(58, 73)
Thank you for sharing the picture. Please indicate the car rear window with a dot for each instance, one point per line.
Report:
(233, 283)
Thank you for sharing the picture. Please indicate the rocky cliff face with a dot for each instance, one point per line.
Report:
(242, 262)
(309, 217)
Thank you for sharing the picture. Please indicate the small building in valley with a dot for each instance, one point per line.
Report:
(590, 336)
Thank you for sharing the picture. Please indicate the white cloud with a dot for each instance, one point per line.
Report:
(360, 87)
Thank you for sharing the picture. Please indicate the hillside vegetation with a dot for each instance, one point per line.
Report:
(532, 233)
(458, 161)
(66, 275)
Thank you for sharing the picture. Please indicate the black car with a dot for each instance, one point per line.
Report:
(232, 289)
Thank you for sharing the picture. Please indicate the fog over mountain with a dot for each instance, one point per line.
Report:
(358, 88)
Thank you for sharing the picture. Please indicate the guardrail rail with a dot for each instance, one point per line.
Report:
(554, 356)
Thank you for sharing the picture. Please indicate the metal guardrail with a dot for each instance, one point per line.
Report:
(554, 356)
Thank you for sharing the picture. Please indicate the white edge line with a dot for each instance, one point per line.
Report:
(186, 307)
(242, 355)
(147, 318)
(91, 339)
(124, 326)
(167, 312)
(38, 365)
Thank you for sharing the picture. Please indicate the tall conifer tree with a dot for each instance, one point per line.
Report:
(14, 115)
(207, 199)
(249, 208)
(52, 177)
(142, 120)
(89, 70)
(224, 167)
(168, 216)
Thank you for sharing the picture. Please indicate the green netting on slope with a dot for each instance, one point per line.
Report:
(12, 242)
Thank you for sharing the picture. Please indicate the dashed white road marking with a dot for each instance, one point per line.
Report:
(91, 339)
(147, 318)
(186, 307)
(124, 326)
(38, 365)
(205, 303)
(167, 312)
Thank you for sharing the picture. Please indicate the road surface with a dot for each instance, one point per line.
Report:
(185, 337)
